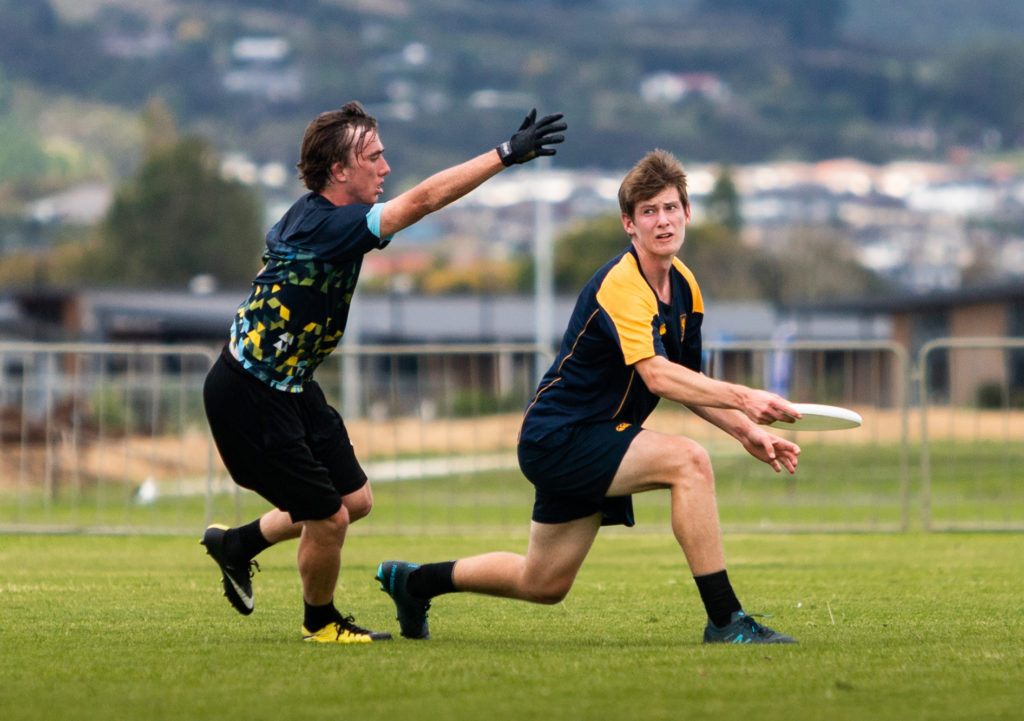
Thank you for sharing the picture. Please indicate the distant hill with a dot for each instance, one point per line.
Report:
(447, 77)
(933, 25)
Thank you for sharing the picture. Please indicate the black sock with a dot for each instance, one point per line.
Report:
(250, 540)
(316, 617)
(431, 579)
(718, 597)
(233, 547)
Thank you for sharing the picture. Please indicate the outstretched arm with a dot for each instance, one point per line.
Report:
(531, 140)
(734, 408)
(680, 384)
(437, 191)
(758, 441)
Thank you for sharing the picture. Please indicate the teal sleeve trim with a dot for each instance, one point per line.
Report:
(373, 219)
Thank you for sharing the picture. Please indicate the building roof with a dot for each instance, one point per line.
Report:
(402, 318)
(1011, 292)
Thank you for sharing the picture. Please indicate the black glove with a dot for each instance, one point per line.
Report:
(529, 141)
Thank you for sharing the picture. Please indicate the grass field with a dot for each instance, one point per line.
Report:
(891, 626)
(974, 486)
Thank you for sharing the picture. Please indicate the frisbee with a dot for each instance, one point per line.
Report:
(817, 417)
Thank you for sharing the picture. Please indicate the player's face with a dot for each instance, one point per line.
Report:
(365, 173)
(658, 225)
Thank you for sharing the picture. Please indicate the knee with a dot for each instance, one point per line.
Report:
(694, 465)
(549, 593)
(552, 597)
(329, 531)
(358, 508)
(359, 503)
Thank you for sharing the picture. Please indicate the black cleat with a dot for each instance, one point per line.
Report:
(237, 578)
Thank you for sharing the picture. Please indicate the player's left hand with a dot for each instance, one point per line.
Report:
(769, 448)
(532, 139)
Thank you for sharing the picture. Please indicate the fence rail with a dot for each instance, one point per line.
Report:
(960, 491)
(113, 438)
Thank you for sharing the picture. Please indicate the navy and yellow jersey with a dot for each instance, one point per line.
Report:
(298, 305)
(618, 320)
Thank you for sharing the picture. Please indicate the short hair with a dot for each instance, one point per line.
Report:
(329, 139)
(657, 170)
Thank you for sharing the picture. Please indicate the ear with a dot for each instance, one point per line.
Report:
(627, 224)
(338, 173)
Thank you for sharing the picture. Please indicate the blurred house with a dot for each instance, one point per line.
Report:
(957, 376)
(860, 329)
(263, 67)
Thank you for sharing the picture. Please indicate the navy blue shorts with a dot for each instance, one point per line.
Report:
(291, 448)
(572, 470)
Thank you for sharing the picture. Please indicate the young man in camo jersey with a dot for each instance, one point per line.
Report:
(275, 431)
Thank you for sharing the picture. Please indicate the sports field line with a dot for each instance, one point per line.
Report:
(387, 471)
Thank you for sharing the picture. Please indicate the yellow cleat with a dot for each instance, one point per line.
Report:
(343, 631)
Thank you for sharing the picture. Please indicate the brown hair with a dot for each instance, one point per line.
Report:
(657, 170)
(330, 139)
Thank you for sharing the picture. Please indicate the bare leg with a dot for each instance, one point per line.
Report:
(557, 551)
(655, 460)
(544, 575)
(319, 557)
(277, 525)
(320, 547)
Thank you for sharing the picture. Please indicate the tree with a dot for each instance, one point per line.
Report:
(726, 269)
(807, 22)
(177, 218)
(723, 202)
(585, 248)
(160, 130)
(983, 86)
(817, 264)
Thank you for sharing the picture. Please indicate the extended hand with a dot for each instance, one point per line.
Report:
(764, 407)
(769, 448)
(532, 138)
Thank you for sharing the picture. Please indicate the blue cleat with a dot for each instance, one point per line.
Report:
(743, 629)
(412, 611)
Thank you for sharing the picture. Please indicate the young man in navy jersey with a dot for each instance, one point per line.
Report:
(633, 339)
(272, 425)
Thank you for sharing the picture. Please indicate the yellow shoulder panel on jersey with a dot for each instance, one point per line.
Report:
(698, 300)
(629, 301)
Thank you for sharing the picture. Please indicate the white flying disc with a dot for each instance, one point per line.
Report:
(817, 417)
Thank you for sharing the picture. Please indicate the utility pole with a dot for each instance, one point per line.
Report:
(544, 277)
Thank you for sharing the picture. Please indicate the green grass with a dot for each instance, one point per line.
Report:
(906, 626)
(837, 487)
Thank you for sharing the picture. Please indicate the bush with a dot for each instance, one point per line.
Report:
(991, 395)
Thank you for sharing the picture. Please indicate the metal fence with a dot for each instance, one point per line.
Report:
(971, 393)
(88, 433)
(113, 438)
(852, 480)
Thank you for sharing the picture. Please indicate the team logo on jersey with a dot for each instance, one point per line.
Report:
(682, 323)
(283, 341)
(622, 426)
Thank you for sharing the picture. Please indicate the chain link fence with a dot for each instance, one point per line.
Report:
(113, 438)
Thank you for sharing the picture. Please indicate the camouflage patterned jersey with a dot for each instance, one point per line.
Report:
(296, 312)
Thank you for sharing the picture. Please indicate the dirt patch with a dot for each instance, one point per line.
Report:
(133, 459)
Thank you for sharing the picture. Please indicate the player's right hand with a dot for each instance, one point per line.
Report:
(532, 139)
(764, 407)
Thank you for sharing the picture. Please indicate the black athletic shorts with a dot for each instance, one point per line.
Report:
(572, 470)
(291, 448)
